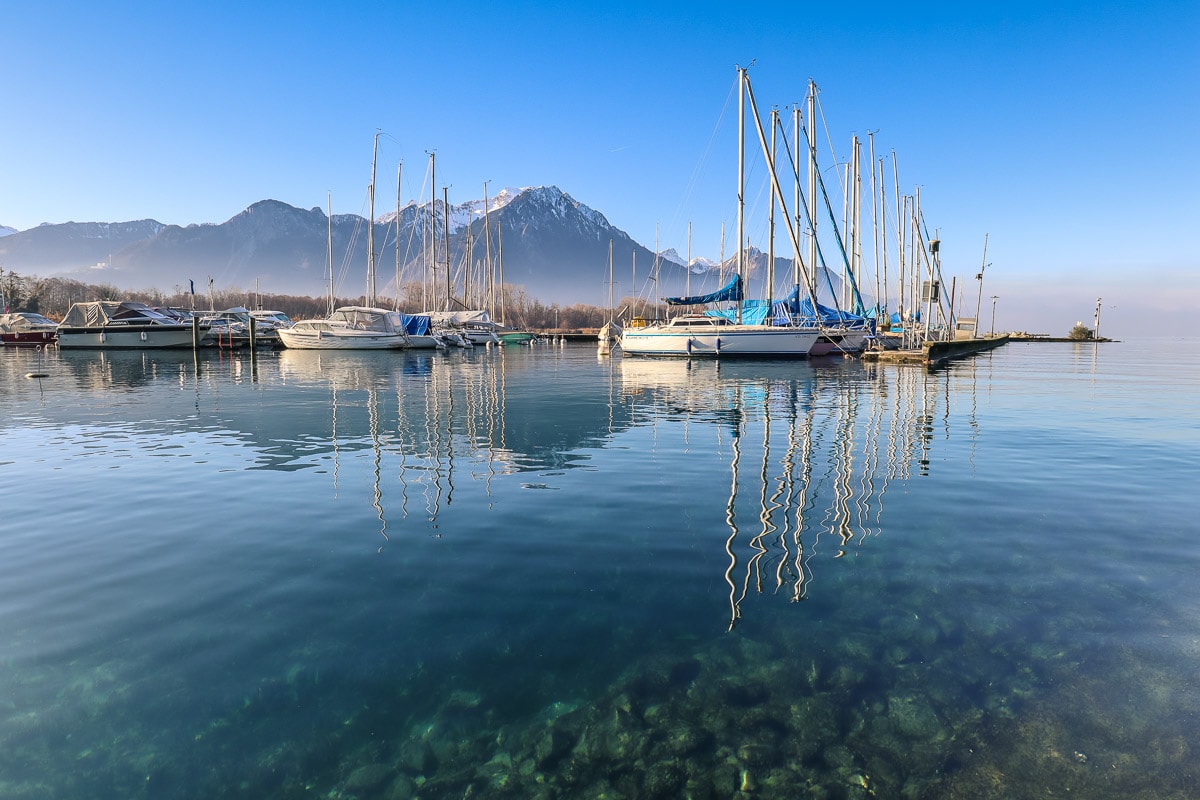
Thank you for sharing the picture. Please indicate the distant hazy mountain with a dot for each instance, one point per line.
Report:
(79, 246)
(552, 245)
(5, 230)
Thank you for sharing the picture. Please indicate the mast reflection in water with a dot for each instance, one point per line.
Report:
(810, 452)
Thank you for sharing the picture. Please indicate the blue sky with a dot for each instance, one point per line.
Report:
(1060, 130)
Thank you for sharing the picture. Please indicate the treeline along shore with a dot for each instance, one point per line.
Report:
(513, 306)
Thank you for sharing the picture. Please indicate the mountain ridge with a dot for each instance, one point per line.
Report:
(542, 239)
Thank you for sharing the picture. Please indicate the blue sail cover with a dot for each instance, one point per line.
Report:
(828, 315)
(415, 324)
(824, 315)
(754, 312)
(897, 324)
(731, 291)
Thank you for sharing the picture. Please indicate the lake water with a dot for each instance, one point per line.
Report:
(539, 573)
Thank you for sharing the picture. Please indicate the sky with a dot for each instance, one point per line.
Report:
(1059, 132)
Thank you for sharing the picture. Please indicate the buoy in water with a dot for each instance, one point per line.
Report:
(36, 375)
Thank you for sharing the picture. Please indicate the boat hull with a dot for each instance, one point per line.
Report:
(480, 337)
(515, 337)
(341, 340)
(425, 342)
(610, 334)
(29, 339)
(133, 337)
(730, 341)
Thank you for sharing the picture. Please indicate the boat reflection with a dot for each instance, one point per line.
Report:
(391, 409)
(811, 451)
(428, 422)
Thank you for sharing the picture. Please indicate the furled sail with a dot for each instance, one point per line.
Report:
(731, 291)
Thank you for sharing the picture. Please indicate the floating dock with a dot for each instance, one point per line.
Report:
(933, 354)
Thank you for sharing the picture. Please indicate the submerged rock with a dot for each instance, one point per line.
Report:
(369, 777)
(550, 749)
(914, 717)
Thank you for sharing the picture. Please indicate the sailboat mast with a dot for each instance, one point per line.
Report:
(901, 209)
(657, 271)
(979, 299)
(500, 265)
(883, 237)
(371, 228)
(610, 282)
(796, 194)
(874, 222)
(329, 245)
(487, 249)
(856, 217)
(741, 219)
(396, 302)
(446, 234)
(468, 261)
(771, 221)
(431, 272)
(689, 260)
(812, 184)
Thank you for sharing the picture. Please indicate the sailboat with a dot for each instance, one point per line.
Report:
(419, 328)
(506, 334)
(455, 328)
(718, 333)
(610, 332)
(364, 327)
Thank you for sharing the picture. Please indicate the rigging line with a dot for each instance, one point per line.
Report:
(794, 164)
(816, 241)
(347, 254)
(705, 156)
(828, 136)
(842, 248)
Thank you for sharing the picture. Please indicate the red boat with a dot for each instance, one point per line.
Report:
(27, 329)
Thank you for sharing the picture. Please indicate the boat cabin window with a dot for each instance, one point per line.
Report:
(699, 322)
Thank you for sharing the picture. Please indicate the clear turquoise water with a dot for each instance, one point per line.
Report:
(540, 573)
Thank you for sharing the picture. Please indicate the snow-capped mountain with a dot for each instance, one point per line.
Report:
(540, 237)
(7, 231)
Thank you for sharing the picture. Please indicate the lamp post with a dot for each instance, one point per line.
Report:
(1097, 325)
(994, 299)
(556, 319)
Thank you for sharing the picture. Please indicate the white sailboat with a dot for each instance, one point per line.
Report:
(709, 335)
(418, 328)
(610, 332)
(363, 327)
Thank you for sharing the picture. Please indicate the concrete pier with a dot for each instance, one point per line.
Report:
(932, 354)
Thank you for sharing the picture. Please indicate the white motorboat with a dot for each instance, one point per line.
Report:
(347, 328)
(108, 324)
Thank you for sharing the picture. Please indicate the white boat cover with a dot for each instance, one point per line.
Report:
(24, 321)
(107, 312)
(459, 319)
